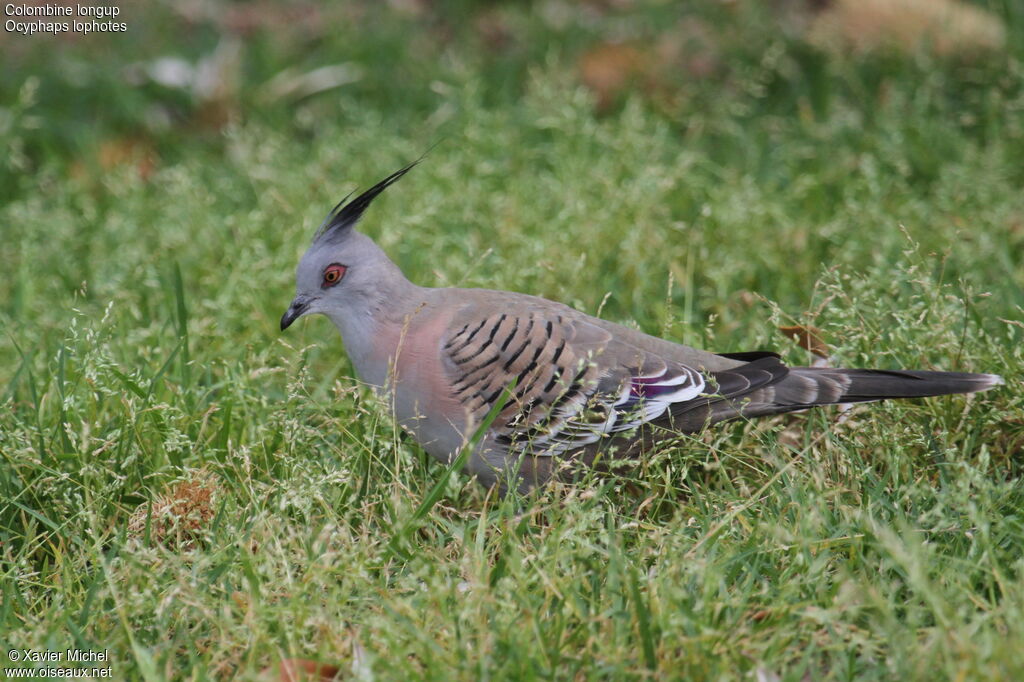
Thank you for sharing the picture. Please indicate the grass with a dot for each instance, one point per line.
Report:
(183, 486)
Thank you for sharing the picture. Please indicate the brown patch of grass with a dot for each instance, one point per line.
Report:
(943, 27)
(178, 518)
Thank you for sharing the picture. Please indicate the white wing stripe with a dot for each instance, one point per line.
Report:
(631, 407)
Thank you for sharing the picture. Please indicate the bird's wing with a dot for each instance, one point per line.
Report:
(563, 382)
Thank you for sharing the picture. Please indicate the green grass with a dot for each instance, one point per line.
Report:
(878, 199)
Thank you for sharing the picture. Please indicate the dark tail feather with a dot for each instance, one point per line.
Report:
(861, 385)
(800, 388)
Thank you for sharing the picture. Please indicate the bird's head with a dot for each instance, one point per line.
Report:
(343, 272)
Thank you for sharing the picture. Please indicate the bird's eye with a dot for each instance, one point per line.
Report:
(333, 274)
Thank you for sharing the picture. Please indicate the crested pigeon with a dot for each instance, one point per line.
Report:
(551, 386)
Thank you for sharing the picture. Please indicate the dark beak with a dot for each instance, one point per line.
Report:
(294, 312)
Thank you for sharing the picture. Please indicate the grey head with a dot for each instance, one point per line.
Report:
(344, 274)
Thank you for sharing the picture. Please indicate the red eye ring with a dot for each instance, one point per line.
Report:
(333, 274)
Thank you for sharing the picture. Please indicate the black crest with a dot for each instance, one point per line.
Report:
(343, 216)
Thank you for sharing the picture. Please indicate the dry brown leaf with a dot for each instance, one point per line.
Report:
(944, 27)
(659, 67)
(178, 518)
(807, 337)
(115, 153)
(306, 670)
(129, 151)
(609, 69)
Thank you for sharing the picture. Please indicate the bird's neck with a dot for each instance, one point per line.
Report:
(371, 330)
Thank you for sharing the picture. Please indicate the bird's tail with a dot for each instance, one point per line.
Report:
(824, 385)
(804, 387)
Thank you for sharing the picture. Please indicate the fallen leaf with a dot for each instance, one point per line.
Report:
(807, 337)
(609, 69)
(115, 153)
(660, 67)
(943, 27)
(307, 670)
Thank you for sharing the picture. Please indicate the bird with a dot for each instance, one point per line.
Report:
(521, 390)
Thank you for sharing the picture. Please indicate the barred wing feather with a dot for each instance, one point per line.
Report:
(572, 382)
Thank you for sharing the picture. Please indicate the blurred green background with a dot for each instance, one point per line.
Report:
(827, 103)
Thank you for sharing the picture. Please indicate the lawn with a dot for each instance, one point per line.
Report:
(200, 496)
